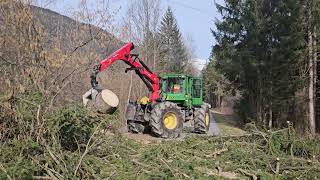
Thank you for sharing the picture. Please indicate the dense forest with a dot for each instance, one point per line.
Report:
(266, 55)
(264, 60)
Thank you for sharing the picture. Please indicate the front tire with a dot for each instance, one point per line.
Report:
(166, 120)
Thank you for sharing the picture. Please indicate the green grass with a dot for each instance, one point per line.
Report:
(227, 125)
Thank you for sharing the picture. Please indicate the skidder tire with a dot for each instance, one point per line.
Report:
(202, 119)
(136, 127)
(166, 120)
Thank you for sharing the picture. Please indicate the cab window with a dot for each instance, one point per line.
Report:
(174, 85)
(197, 88)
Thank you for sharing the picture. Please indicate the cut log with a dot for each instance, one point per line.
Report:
(105, 102)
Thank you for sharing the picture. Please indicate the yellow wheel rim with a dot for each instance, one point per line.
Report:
(207, 120)
(170, 120)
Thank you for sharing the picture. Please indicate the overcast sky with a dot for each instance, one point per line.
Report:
(195, 18)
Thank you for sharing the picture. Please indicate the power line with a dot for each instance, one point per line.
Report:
(190, 7)
(187, 6)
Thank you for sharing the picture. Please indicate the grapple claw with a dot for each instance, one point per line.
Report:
(89, 96)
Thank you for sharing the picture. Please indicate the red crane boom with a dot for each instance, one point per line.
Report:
(124, 54)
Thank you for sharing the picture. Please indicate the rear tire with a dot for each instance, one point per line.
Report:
(136, 127)
(166, 120)
(202, 119)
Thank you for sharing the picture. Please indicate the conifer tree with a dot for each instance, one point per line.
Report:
(261, 49)
(173, 55)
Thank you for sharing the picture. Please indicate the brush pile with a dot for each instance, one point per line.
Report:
(74, 143)
(277, 154)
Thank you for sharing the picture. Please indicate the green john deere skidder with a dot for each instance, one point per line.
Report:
(174, 99)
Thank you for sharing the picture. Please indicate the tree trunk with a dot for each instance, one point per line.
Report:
(106, 102)
(315, 57)
(311, 81)
(154, 53)
(270, 116)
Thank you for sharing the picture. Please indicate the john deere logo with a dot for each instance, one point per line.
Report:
(170, 98)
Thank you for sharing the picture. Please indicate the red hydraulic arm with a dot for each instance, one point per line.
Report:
(148, 77)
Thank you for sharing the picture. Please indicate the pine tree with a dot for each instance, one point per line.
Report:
(260, 49)
(173, 55)
(215, 84)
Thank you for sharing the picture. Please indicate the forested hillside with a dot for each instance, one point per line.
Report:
(52, 52)
(266, 54)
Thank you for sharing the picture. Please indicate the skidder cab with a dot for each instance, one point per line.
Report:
(181, 89)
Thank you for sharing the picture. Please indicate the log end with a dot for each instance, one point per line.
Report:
(105, 102)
